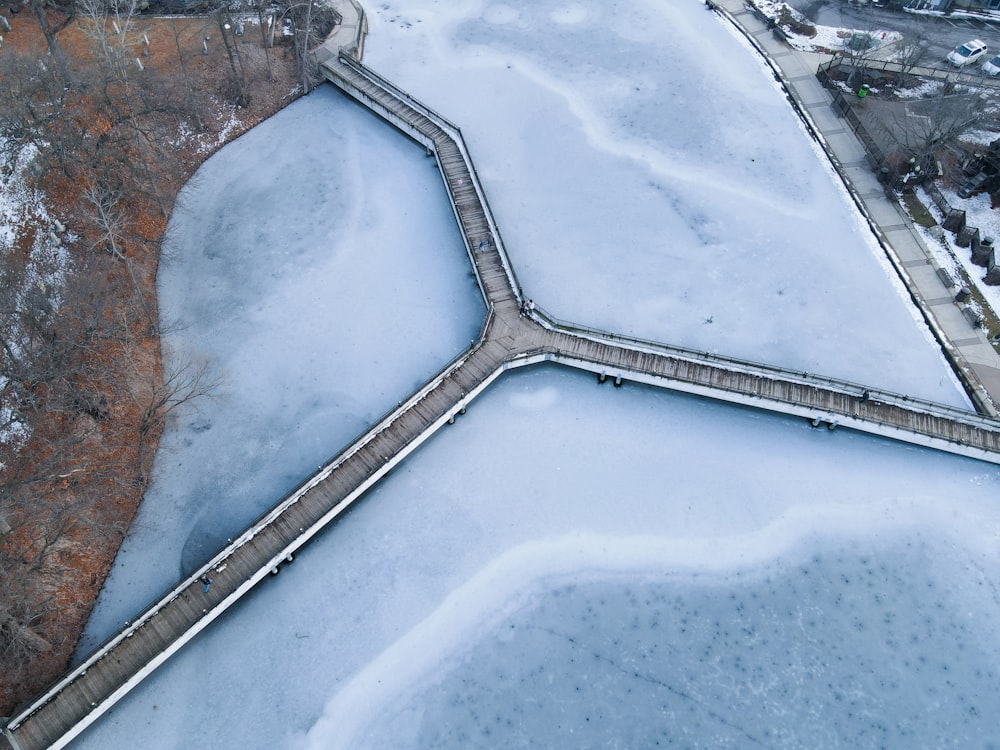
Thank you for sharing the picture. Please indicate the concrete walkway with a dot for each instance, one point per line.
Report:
(969, 350)
(348, 35)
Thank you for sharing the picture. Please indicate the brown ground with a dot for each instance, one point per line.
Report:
(64, 540)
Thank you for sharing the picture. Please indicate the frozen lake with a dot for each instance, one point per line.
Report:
(730, 571)
(315, 265)
(649, 177)
(569, 563)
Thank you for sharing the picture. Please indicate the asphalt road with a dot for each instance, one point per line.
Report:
(943, 34)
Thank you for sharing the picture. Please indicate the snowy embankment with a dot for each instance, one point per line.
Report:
(980, 214)
(806, 36)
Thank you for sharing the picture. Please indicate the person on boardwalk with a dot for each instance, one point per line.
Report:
(207, 581)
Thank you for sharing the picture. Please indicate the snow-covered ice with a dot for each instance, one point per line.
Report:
(315, 265)
(569, 564)
(692, 658)
(551, 482)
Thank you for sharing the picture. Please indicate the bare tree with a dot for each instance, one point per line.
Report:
(193, 101)
(128, 142)
(228, 26)
(108, 216)
(304, 42)
(310, 23)
(40, 10)
(264, 21)
(928, 126)
(912, 50)
(38, 109)
(858, 53)
(185, 380)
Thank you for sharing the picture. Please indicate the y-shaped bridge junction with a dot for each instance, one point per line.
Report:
(511, 337)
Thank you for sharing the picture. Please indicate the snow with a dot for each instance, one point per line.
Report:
(977, 14)
(926, 89)
(23, 211)
(979, 137)
(825, 39)
(568, 564)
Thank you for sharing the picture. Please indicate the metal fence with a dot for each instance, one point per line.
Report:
(948, 75)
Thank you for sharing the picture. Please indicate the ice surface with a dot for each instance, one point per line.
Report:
(553, 493)
(315, 264)
(834, 650)
(552, 481)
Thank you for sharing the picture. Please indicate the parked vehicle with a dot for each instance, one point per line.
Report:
(967, 53)
(992, 66)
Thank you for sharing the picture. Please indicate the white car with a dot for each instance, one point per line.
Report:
(968, 53)
(992, 66)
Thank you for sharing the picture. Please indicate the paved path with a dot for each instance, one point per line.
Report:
(512, 337)
(968, 349)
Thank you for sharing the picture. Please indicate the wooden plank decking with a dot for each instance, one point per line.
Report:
(822, 400)
(509, 339)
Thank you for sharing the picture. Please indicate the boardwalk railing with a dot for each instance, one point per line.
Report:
(734, 364)
(337, 77)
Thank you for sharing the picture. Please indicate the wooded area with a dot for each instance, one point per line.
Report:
(107, 113)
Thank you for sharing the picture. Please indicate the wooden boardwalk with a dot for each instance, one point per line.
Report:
(823, 401)
(509, 339)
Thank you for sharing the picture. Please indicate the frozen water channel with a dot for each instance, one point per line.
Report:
(569, 564)
(315, 265)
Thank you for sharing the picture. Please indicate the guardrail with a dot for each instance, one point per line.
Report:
(948, 75)
(549, 321)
